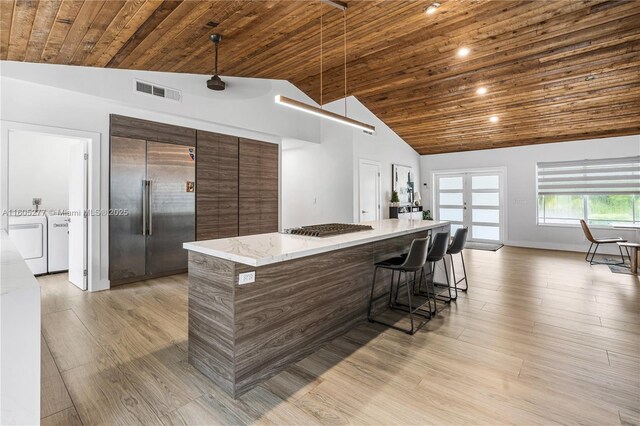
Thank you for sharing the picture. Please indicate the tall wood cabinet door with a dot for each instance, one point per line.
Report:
(228, 204)
(249, 190)
(207, 186)
(269, 188)
(217, 186)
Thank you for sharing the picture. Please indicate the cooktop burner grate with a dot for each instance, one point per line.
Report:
(328, 229)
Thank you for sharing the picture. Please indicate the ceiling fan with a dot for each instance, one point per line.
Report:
(215, 82)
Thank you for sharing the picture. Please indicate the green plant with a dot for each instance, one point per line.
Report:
(426, 215)
(394, 197)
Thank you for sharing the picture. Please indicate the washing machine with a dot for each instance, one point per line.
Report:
(58, 243)
(29, 235)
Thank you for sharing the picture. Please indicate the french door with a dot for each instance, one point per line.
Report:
(473, 200)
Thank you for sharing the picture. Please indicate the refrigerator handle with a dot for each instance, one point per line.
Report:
(150, 183)
(144, 207)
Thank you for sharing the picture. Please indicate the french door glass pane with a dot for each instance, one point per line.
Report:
(485, 182)
(451, 214)
(479, 232)
(486, 215)
(451, 198)
(454, 182)
(485, 199)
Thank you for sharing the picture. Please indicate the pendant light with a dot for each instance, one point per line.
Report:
(318, 111)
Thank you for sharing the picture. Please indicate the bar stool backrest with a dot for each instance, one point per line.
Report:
(417, 256)
(439, 247)
(459, 240)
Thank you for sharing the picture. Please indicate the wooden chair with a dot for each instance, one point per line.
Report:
(597, 242)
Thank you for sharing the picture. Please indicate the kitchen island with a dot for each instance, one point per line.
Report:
(244, 328)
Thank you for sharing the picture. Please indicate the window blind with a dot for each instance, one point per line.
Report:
(608, 176)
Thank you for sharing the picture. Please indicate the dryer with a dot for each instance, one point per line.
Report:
(58, 243)
(29, 235)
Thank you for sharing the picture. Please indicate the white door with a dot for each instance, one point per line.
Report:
(369, 177)
(473, 200)
(78, 219)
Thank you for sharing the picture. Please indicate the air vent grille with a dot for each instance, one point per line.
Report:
(157, 90)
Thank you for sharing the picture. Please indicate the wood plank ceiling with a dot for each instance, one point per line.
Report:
(554, 70)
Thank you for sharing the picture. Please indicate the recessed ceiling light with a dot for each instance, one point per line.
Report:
(463, 51)
(432, 9)
(494, 119)
(481, 90)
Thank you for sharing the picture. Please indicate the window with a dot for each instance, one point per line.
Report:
(598, 191)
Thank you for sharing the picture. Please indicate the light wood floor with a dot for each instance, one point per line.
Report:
(540, 338)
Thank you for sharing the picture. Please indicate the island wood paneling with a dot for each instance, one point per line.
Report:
(211, 311)
(135, 128)
(291, 309)
(258, 187)
(217, 186)
(555, 71)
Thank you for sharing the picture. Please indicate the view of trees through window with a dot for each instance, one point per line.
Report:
(595, 209)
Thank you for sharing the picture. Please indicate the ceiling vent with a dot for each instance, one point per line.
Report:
(159, 91)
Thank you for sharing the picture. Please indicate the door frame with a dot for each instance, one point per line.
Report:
(361, 162)
(94, 221)
(502, 171)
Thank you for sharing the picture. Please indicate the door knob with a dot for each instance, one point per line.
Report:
(364, 211)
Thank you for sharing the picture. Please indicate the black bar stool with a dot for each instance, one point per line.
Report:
(436, 254)
(456, 247)
(413, 262)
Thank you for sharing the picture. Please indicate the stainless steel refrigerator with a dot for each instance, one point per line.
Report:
(152, 202)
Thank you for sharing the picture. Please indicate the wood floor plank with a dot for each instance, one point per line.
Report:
(47, 364)
(102, 394)
(540, 338)
(70, 342)
(67, 417)
(54, 395)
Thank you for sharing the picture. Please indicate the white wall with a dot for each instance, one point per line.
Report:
(521, 202)
(315, 178)
(385, 147)
(38, 168)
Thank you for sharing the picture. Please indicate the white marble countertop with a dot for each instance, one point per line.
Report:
(14, 273)
(264, 249)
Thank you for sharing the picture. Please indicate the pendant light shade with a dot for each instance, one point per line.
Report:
(301, 106)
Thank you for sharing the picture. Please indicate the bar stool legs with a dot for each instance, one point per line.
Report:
(393, 301)
(464, 278)
(437, 296)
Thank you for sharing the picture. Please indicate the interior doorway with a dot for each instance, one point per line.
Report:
(369, 191)
(46, 205)
(474, 200)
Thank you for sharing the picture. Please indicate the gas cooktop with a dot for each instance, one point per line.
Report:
(328, 229)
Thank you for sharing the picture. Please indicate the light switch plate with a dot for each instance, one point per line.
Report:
(246, 278)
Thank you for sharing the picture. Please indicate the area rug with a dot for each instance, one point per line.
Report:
(483, 246)
(616, 269)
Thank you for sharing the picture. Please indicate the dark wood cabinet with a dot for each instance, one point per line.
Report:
(237, 186)
(217, 186)
(258, 187)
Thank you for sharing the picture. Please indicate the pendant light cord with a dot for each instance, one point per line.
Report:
(344, 12)
(320, 54)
